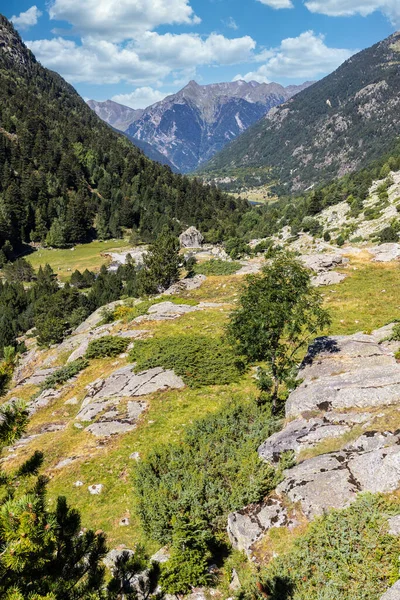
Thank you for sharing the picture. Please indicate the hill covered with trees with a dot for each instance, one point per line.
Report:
(66, 177)
(338, 125)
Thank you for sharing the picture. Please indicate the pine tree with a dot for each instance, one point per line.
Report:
(44, 554)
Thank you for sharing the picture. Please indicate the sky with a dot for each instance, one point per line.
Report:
(138, 51)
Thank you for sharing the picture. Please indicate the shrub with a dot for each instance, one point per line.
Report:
(65, 373)
(345, 554)
(396, 333)
(108, 345)
(199, 359)
(327, 236)
(237, 248)
(213, 470)
(217, 267)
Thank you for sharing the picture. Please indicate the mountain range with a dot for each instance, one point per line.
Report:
(334, 127)
(191, 126)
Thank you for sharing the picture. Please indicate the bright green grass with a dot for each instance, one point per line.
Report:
(369, 298)
(84, 256)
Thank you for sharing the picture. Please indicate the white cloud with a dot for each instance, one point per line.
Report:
(343, 8)
(97, 62)
(27, 19)
(140, 98)
(118, 20)
(277, 3)
(304, 57)
(146, 60)
(231, 23)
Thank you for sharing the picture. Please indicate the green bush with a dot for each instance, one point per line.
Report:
(396, 333)
(213, 470)
(109, 345)
(65, 373)
(217, 267)
(344, 554)
(199, 359)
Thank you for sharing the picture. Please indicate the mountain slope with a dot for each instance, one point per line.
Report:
(115, 114)
(119, 117)
(191, 126)
(65, 176)
(334, 127)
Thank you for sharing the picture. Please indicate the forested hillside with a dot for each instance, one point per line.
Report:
(335, 127)
(67, 177)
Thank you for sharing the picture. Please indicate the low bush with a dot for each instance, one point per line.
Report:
(199, 359)
(344, 554)
(217, 267)
(107, 346)
(65, 373)
(213, 470)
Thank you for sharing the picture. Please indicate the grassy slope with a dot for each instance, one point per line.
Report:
(356, 304)
(83, 256)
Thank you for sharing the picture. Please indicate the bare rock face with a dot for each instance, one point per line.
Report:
(191, 238)
(185, 285)
(344, 372)
(298, 435)
(124, 383)
(385, 252)
(95, 318)
(339, 373)
(393, 593)
(245, 527)
(322, 262)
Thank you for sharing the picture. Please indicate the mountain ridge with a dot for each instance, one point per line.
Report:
(336, 126)
(192, 125)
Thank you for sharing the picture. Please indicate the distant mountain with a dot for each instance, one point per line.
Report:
(115, 114)
(191, 126)
(336, 126)
(66, 176)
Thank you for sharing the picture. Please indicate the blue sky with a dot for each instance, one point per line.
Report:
(138, 51)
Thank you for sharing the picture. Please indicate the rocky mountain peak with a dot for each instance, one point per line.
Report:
(189, 127)
(12, 50)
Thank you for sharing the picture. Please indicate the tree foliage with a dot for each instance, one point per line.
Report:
(278, 312)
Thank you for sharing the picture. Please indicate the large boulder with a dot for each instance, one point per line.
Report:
(346, 372)
(191, 238)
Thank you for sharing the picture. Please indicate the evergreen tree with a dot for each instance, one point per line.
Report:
(161, 264)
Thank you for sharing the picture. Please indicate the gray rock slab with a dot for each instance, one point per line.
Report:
(134, 334)
(346, 372)
(125, 383)
(385, 252)
(319, 483)
(38, 377)
(44, 400)
(329, 278)
(185, 285)
(245, 527)
(393, 593)
(93, 409)
(394, 525)
(135, 410)
(320, 262)
(370, 464)
(299, 435)
(97, 333)
(109, 428)
(95, 318)
(250, 267)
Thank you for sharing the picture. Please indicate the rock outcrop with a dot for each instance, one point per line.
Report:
(191, 238)
(345, 380)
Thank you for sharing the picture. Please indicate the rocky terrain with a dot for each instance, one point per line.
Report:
(115, 114)
(337, 428)
(189, 127)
